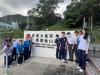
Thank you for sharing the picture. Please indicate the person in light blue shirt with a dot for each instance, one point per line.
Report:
(20, 52)
(26, 49)
(14, 44)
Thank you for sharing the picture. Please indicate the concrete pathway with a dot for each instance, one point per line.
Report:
(43, 66)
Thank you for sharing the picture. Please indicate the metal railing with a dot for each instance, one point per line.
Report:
(95, 50)
(2, 64)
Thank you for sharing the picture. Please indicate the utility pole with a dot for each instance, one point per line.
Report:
(5, 19)
(84, 23)
(27, 27)
(91, 19)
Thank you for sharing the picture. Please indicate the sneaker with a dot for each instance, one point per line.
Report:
(81, 70)
(87, 62)
(10, 66)
(78, 67)
(65, 61)
(18, 64)
(62, 61)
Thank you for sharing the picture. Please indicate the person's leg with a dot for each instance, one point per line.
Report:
(13, 54)
(71, 53)
(25, 54)
(18, 59)
(80, 57)
(60, 54)
(57, 53)
(76, 53)
(4, 60)
(69, 48)
(9, 60)
(65, 54)
(30, 51)
(83, 59)
(21, 58)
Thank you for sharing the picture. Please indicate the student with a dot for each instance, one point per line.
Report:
(57, 41)
(7, 52)
(76, 36)
(26, 49)
(80, 33)
(83, 49)
(70, 46)
(8, 39)
(63, 47)
(14, 44)
(30, 47)
(20, 52)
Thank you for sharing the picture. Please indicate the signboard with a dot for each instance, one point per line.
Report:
(44, 42)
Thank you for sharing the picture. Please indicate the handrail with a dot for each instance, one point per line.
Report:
(94, 49)
(6, 70)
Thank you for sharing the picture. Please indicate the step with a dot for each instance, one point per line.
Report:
(91, 69)
(96, 62)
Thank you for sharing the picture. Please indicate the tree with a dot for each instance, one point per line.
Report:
(44, 12)
(79, 10)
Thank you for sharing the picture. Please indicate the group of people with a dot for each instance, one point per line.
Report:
(16, 50)
(78, 44)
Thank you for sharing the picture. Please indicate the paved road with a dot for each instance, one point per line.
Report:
(44, 66)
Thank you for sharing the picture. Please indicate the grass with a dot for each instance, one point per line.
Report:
(96, 34)
(58, 27)
(12, 32)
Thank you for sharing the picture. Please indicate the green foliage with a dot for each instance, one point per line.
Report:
(14, 33)
(76, 11)
(44, 13)
(55, 27)
(15, 18)
(58, 27)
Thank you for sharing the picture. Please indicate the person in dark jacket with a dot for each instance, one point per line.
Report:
(57, 41)
(63, 47)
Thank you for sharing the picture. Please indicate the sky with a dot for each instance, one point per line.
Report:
(10, 7)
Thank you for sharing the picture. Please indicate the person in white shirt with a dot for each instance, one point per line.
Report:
(14, 44)
(7, 52)
(70, 46)
(83, 48)
(76, 36)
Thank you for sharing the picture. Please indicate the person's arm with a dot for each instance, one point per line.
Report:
(74, 40)
(88, 44)
(3, 50)
(56, 42)
(87, 49)
(23, 48)
(17, 49)
(67, 43)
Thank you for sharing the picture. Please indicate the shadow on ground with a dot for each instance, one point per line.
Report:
(62, 70)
